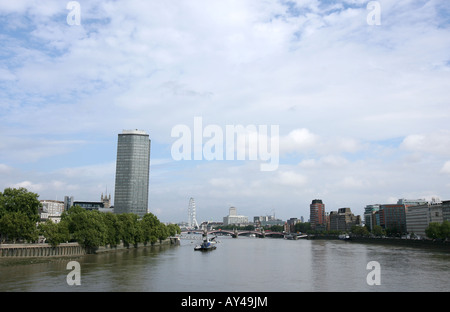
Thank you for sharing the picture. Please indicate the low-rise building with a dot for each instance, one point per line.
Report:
(419, 217)
(51, 210)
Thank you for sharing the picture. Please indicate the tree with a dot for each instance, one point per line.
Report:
(377, 230)
(20, 200)
(17, 225)
(276, 228)
(163, 233)
(87, 227)
(359, 230)
(150, 225)
(55, 233)
(19, 212)
(112, 224)
(445, 229)
(302, 227)
(129, 229)
(433, 230)
(438, 230)
(173, 229)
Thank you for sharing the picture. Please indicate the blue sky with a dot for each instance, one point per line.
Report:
(362, 109)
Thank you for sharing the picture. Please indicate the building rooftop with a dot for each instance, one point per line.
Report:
(135, 131)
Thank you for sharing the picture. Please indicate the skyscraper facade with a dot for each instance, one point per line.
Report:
(132, 172)
(317, 215)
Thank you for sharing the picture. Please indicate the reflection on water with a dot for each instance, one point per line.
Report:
(243, 264)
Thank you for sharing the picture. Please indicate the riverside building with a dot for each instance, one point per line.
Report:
(132, 172)
(419, 217)
(317, 215)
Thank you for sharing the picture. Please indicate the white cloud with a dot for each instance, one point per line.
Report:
(298, 140)
(446, 167)
(335, 86)
(436, 143)
(292, 179)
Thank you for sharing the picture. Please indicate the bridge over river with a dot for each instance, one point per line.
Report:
(236, 233)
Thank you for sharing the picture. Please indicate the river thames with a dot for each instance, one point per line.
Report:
(240, 265)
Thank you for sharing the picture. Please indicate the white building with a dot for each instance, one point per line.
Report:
(234, 218)
(51, 210)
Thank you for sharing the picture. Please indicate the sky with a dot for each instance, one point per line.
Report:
(362, 107)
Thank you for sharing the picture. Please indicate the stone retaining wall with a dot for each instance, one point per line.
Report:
(41, 250)
(67, 249)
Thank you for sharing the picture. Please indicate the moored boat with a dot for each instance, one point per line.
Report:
(207, 244)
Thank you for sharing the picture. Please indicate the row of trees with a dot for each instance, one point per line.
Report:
(91, 228)
(19, 214)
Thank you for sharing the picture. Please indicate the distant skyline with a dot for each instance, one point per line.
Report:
(362, 109)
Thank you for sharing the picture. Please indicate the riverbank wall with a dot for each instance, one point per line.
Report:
(68, 249)
(432, 244)
(40, 250)
(169, 241)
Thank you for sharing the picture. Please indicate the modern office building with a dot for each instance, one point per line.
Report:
(68, 202)
(317, 215)
(371, 216)
(393, 217)
(419, 217)
(89, 205)
(132, 172)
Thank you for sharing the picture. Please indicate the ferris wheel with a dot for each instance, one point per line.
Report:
(192, 221)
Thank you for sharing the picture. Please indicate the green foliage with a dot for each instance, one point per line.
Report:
(173, 229)
(378, 230)
(302, 227)
(112, 223)
(19, 212)
(436, 230)
(445, 229)
(130, 231)
(92, 229)
(150, 228)
(20, 200)
(55, 233)
(359, 230)
(276, 228)
(17, 225)
(86, 227)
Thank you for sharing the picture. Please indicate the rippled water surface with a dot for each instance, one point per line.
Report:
(242, 264)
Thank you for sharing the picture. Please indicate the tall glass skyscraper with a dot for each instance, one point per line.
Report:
(132, 172)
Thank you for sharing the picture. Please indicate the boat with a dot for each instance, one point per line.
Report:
(207, 244)
(289, 236)
(344, 237)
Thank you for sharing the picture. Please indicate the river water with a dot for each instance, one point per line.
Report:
(241, 265)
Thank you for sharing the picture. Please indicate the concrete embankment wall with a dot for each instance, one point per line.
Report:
(66, 249)
(41, 250)
(393, 241)
(168, 241)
